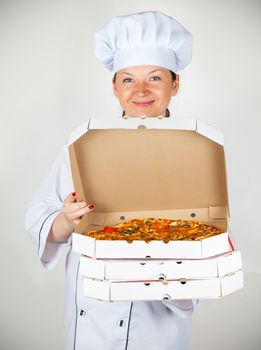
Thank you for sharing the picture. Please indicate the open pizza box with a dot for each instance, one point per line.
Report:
(149, 168)
(140, 168)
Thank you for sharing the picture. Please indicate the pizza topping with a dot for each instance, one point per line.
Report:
(108, 229)
(155, 229)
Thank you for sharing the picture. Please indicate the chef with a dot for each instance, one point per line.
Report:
(144, 52)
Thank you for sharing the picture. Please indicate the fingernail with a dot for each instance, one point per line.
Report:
(74, 194)
(90, 206)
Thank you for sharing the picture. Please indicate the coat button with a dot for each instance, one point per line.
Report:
(121, 323)
(82, 313)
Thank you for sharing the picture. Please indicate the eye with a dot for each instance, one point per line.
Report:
(128, 80)
(155, 78)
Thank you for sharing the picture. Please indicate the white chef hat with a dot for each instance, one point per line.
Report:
(146, 38)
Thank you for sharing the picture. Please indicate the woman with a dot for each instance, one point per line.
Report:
(144, 51)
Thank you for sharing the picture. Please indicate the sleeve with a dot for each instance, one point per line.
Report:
(46, 204)
(182, 308)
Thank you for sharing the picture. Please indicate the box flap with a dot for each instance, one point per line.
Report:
(76, 134)
(155, 123)
(150, 164)
(149, 123)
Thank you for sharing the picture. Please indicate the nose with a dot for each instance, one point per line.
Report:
(141, 89)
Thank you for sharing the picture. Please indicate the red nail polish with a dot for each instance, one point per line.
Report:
(90, 206)
(74, 194)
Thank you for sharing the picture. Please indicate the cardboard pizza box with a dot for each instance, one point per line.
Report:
(165, 289)
(137, 168)
(157, 269)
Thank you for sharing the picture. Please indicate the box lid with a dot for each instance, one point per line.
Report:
(160, 269)
(160, 290)
(149, 164)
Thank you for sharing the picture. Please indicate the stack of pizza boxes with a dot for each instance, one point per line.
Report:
(153, 168)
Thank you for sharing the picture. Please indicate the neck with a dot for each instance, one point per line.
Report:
(167, 114)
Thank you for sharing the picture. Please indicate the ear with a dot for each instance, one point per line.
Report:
(114, 88)
(175, 86)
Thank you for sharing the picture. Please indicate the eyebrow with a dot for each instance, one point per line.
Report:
(126, 73)
(153, 71)
(156, 70)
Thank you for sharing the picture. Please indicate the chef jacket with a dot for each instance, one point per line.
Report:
(92, 324)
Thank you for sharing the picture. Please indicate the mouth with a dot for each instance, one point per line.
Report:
(143, 104)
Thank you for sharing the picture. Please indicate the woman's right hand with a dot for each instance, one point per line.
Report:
(65, 223)
(74, 211)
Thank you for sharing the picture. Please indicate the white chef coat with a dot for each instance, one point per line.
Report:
(92, 324)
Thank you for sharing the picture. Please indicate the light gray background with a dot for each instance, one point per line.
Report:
(51, 82)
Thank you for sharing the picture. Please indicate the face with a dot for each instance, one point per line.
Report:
(145, 90)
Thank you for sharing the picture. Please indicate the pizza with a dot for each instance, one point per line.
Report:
(149, 229)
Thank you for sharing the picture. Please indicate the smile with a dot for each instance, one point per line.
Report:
(143, 103)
